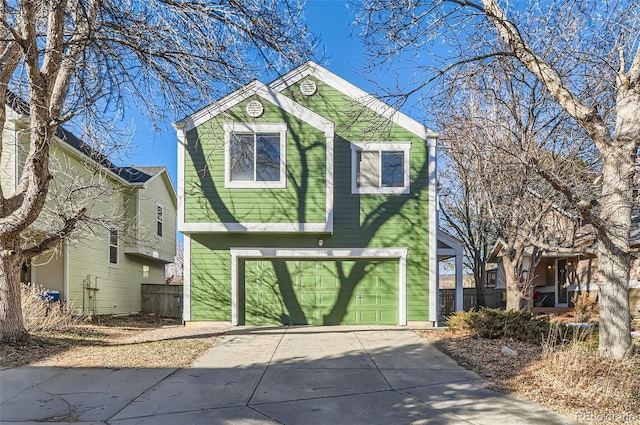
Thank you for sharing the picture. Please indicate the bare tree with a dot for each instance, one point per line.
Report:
(587, 56)
(75, 60)
(495, 124)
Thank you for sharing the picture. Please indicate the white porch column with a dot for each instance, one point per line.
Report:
(459, 287)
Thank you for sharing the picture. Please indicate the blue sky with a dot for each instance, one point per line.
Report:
(330, 20)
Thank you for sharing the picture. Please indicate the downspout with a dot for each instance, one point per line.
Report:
(65, 270)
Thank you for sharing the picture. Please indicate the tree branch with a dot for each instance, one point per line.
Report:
(587, 117)
(52, 240)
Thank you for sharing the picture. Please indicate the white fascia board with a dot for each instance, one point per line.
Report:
(454, 244)
(356, 93)
(311, 253)
(253, 227)
(266, 93)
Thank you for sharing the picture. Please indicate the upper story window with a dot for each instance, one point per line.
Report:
(255, 156)
(159, 219)
(113, 247)
(380, 168)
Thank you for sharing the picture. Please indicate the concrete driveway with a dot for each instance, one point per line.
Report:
(299, 375)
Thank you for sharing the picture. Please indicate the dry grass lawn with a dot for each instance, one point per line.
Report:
(572, 381)
(116, 342)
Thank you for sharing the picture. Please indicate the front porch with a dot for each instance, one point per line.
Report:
(557, 278)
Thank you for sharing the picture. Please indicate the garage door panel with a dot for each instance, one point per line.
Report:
(368, 294)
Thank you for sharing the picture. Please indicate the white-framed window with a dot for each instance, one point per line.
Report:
(255, 156)
(113, 247)
(381, 168)
(159, 220)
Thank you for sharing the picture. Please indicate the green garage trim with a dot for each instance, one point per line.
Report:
(237, 254)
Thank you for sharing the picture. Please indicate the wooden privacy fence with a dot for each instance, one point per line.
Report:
(164, 300)
(492, 299)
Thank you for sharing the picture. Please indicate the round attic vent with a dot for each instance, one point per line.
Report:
(308, 87)
(254, 109)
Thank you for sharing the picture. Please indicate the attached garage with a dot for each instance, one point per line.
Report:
(319, 287)
(319, 291)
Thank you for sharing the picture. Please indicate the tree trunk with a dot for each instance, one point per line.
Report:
(480, 276)
(614, 260)
(11, 325)
(514, 294)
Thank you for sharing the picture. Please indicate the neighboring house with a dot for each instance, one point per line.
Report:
(559, 276)
(129, 235)
(307, 201)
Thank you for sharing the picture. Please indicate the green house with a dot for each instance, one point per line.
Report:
(307, 201)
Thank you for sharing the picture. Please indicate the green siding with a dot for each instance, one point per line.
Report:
(359, 220)
(303, 200)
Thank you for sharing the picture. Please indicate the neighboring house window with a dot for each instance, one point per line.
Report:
(255, 156)
(380, 168)
(145, 271)
(159, 218)
(113, 247)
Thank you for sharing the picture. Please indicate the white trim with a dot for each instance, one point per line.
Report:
(279, 128)
(356, 93)
(182, 142)
(328, 165)
(255, 227)
(434, 303)
(263, 91)
(404, 147)
(455, 250)
(186, 279)
(117, 245)
(352, 253)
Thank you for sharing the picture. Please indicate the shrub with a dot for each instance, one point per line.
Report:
(39, 314)
(585, 307)
(494, 323)
(458, 321)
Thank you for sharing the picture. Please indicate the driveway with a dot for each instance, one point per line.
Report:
(298, 375)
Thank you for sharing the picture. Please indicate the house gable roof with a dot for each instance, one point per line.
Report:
(255, 88)
(357, 94)
(130, 175)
